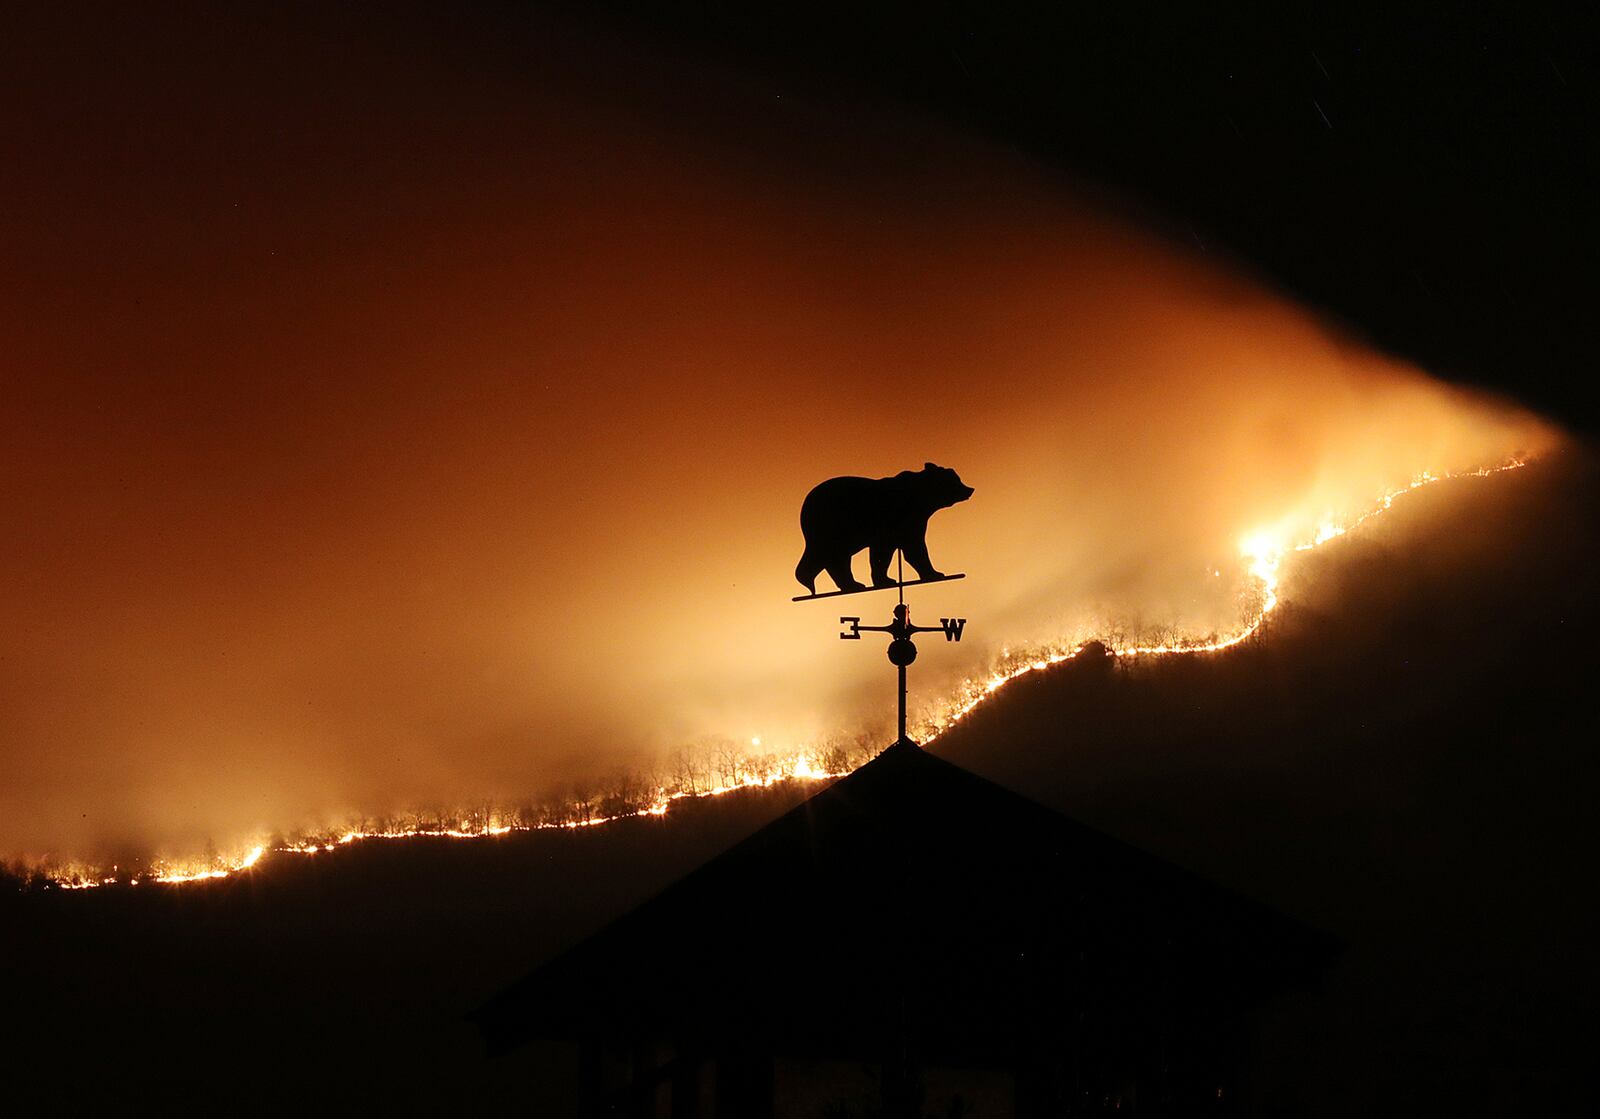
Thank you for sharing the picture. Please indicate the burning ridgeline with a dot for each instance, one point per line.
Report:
(716, 770)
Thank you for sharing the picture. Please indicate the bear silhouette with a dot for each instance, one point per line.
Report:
(844, 515)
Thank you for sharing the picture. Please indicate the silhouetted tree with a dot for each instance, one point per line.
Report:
(729, 758)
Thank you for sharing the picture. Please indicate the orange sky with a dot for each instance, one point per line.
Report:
(384, 427)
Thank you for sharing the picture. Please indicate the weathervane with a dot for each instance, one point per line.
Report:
(889, 518)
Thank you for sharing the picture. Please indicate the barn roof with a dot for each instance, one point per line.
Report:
(910, 889)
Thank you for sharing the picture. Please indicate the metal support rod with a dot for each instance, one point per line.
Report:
(902, 650)
(902, 737)
(900, 577)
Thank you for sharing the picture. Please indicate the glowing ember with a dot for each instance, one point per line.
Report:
(1263, 550)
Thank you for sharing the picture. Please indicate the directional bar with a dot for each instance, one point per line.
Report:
(952, 628)
(885, 587)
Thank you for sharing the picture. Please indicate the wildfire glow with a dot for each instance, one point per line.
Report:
(1263, 550)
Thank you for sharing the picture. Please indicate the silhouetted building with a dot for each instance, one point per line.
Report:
(915, 940)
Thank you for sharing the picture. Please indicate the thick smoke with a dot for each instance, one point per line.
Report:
(384, 428)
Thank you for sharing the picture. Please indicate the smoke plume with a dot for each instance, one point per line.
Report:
(386, 425)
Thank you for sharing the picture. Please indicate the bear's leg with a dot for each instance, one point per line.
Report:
(839, 571)
(807, 570)
(915, 549)
(881, 555)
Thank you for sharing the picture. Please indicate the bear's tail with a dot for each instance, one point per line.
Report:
(807, 571)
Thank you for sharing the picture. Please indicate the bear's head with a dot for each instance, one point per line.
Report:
(942, 486)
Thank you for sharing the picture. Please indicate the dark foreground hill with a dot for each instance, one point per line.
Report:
(335, 983)
(1403, 760)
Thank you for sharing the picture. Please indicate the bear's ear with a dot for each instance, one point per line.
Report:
(930, 466)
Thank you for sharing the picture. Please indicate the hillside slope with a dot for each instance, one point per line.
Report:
(1405, 760)
(1401, 760)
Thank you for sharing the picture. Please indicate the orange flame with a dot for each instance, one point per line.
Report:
(1264, 550)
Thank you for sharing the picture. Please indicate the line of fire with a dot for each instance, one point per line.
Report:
(1263, 552)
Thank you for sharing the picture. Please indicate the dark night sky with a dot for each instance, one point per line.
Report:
(1425, 171)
